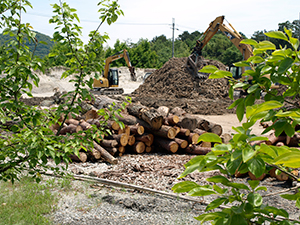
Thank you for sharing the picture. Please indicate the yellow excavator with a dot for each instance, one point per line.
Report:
(108, 84)
(232, 35)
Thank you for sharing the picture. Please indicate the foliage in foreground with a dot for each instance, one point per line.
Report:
(27, 140)
(244, 203)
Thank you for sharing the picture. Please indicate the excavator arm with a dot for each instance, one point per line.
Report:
(213, 28)
(122, 54)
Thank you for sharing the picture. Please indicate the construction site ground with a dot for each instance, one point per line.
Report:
(172, 86)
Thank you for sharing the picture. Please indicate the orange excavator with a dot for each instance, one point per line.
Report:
(108, 84)
(232, 35)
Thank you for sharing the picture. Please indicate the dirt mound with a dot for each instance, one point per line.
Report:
(173, 85)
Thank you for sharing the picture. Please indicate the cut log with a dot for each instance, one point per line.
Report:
(148, 149)
(226, 138)
(293, 141)
(131, 140)
(182, 143)
(132, 120)
(163, 111)
(178, 111)
(94, 153)
(184, 132)
(139, 147)
(91, 114)
(105, 155)
(136, 129)
(193, 138)
(113, 125)
(82, 157)
(111, 150)
(150, 116)
(166, 144)
(199, 131)
(122, 139)
(253, 177)
(215, 128)
(72, 121)
(85, 125)
(70, 129)
(197, 150)
(121, 149)
(109, 143)
(125, 130)
(192, 122)
(146, 138)
(205, 144)
(171, 120)
(273, 139)
(166, 132)
(95, 122)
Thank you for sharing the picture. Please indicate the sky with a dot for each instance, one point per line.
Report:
(149, 19)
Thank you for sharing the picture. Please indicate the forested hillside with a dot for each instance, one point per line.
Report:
(156, 52)
(41, 50)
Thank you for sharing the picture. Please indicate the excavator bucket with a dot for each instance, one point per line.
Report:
(192, 64)
(132, 73)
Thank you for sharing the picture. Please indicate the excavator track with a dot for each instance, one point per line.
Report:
(108, 91)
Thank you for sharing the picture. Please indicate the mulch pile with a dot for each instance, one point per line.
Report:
(174, 86)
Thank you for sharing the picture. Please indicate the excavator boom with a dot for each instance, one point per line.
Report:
(214, 27)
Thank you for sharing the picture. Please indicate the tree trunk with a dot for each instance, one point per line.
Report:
(163, 111)
(182, 143)
(131, 140)
(166, 132)
(126, 130)
(82, 157)
(105, 155)
(150, 116)
(193, 138)
(111, 150)
(197, 150)
(122, 139)
(184, 132)
(166, 144)
(109, 143)
(136, 129)
(171, 120)
(138, 147)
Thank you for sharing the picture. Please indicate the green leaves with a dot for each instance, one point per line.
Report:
(210, 137)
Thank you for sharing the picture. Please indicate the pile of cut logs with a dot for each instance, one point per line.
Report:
(145, 129)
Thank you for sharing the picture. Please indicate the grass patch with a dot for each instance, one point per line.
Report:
(26, 202)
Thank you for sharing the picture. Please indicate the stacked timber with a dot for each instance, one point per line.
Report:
(144, 130)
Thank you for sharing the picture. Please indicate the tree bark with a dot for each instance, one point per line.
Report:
(131, 140)
(166, 144)
(166, 132)
(150, 116)
(182, 143)
(193, 138)
(105, 155)
(111, 150)
(197, 150)
(109, 143)
(139, 147)
(136, 129)
(122, 139)
(82, 157)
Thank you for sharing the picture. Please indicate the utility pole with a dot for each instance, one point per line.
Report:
(173, 28)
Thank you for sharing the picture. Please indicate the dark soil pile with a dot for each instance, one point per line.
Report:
(173, 85)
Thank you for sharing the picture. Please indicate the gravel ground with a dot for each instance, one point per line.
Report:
(95, 203)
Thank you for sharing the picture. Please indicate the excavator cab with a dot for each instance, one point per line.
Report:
(113, 77)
